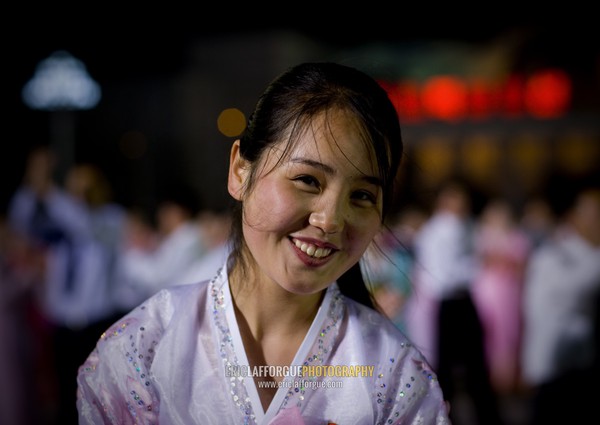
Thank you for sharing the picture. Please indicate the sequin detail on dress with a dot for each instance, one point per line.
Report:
(239, 394)
(398, 400)
(319, 352)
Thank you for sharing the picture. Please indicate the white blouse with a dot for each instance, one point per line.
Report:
(178, 358)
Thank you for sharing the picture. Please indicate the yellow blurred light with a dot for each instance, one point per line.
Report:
(435, 157)
(231, 122)
(577, 154)
(481, 158)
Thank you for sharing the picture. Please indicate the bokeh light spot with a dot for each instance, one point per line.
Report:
(445, 97)
(548, 93)
(231, 122)
(61, 82)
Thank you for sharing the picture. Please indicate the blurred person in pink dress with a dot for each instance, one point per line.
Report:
(503, 249)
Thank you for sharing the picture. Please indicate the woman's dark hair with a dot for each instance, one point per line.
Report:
(289, 105)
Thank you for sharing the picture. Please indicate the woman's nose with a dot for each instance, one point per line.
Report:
(328, 215)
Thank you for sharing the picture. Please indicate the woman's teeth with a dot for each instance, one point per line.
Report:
(312, 250)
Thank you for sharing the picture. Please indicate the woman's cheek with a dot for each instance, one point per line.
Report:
(274, 207)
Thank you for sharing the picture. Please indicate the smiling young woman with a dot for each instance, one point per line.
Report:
(312, 177)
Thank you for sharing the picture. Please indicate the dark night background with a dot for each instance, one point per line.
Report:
(149, 62)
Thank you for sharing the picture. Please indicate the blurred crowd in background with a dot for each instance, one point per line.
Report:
(504, 305)
(490, 262)
(73, 261)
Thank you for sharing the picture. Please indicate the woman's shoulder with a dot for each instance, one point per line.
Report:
(401, 373)
(379, 332)
(156, 313)
(372, 320)
(168, 301)
(121, 365)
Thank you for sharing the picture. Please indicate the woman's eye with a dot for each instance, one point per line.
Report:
(365, 196)
(308, 180)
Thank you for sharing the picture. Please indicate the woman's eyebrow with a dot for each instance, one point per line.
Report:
(315, 164)
(331, 171)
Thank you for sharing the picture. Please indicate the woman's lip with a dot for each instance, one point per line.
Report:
(307, 259)
(315, 242)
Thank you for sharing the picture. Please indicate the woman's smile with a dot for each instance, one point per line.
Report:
(322, 199)
(312, 250)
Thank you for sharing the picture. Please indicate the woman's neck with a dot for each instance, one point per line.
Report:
(272, 322)
(268, 309)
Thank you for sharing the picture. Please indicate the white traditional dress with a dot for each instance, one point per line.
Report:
(169, 361)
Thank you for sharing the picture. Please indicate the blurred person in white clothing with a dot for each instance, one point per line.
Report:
(178, 245)
(560, 303)
(444, 264)
(107, 221)
(214, 227)
(441, 316)
(67, 223)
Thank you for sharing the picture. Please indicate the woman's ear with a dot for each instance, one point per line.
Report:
(238, 172)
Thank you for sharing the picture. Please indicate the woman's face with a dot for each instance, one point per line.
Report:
(311, 213)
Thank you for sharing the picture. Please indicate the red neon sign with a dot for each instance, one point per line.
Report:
(544, 94)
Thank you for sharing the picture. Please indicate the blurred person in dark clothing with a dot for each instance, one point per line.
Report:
(20, 270)
(537, 220)
(441, 316)
(560, 344)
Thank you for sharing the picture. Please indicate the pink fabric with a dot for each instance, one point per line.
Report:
(497, 293)
(290, 416)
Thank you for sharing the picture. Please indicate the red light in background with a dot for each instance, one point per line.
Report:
(445, 97)
(484, 100)
(548, 93)
(545, 94)
(392, 92)
(512, 96)
(404, 96)
(409, 106)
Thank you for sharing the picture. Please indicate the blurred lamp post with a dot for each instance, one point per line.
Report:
(61, 85)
